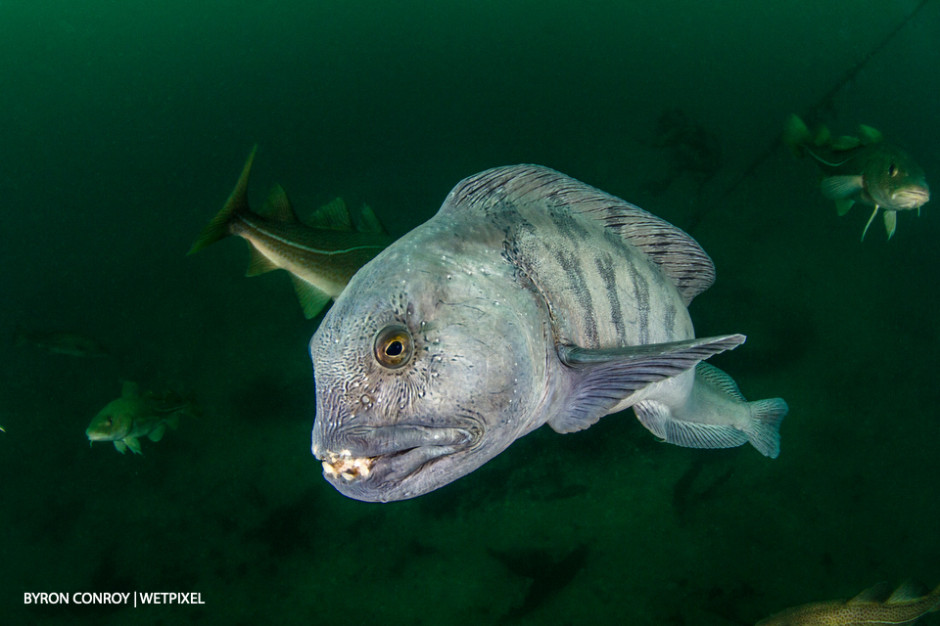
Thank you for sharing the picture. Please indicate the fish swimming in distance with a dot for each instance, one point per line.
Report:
(134, 415)
(869, 608)
(863, 169)
(530, 298)
(320, 257)
(56, 342)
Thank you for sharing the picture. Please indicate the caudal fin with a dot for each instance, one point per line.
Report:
(764, 431)
(218, 226)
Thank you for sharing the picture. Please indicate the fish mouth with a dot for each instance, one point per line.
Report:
(96, 436)
(911, 197)
(378, 463)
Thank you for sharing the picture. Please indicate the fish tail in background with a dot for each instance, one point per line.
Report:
(218, 226)
(764, 430)
(796, 135)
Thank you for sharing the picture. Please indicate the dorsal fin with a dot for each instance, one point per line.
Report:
(875, 594)
(719, 379)
(845, 142)
(277, 207)
(868, 135)
(674, 251)
(332, 216)
(368, 222)
(907, 592)
(129, 389)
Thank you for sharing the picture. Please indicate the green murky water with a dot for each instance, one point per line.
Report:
(124, 127)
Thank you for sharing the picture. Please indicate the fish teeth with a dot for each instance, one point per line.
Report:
(346, 466)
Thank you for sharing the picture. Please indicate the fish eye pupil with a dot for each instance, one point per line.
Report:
(393, 346)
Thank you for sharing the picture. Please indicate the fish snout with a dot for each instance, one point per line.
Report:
(912, 197)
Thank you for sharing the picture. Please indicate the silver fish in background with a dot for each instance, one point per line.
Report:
(530, 298)
(134, 415)
(862, 169)
(55, 342)
(320, 257)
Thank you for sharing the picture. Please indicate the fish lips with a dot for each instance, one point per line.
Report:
(386, 463)
(911, 197)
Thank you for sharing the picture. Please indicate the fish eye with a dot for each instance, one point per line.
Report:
(393, 346)
(892, 170)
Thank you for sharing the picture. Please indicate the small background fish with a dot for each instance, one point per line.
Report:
(134, 415)
(54, 342)
(871, 607)
(320, 255)
(862, 169)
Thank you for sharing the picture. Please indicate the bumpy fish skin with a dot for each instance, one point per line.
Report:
(530, 298)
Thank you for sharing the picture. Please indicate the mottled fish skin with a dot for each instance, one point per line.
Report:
(902, 607)
(509, 298)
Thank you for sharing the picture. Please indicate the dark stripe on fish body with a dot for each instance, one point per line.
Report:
(605, 267)
(573, 270)
(567, 225)
(669, 320)
(641, 294)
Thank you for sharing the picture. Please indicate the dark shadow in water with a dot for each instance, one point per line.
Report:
(548, 575)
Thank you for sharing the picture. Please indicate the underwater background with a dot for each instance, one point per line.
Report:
(125, 125)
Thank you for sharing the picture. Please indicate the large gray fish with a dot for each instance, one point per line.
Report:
(863, 169)
(320, 257)
(530, 298)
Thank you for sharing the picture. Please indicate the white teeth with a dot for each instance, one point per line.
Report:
(345, 465)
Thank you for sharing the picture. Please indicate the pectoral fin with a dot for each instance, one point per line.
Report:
(891, 222)
(839, 187)
(843, 205)
(157, 433)
(132, 443)
(602, 378)
(868, 223)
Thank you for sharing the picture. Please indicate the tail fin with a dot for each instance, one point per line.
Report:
(237, 202)
(764, 432)
(796, 135)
